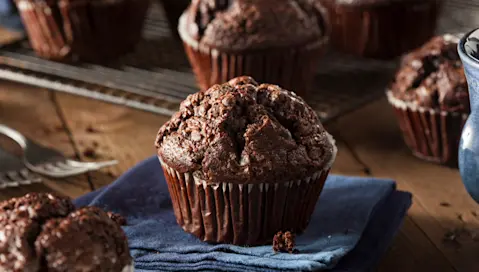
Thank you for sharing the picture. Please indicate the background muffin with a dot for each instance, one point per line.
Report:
(93, 30)
(43, 232)
(381, 28)
(240, 146)
(273, 41)
(431, 100)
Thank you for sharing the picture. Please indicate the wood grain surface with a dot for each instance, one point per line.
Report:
(439, 233)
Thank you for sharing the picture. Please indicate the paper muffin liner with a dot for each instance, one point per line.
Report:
(382, 31)
(291, 68)
(431, 135)
(91, 30)
(242, 214)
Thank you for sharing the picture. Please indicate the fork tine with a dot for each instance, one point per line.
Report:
(22, 177)
(92, 165)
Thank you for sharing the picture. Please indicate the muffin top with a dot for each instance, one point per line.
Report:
(244, 132)
(29, 241)
(433, 77)
(234, 25)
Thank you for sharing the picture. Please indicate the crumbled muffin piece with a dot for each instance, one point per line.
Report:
(284, 242)
(120, 220)
(86, 238)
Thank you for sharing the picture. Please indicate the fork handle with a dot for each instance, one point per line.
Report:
(14, 135)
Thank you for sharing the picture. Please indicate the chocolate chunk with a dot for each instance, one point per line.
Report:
(284, 242)
(120, 220)
(229, 131)
(90, 153)
(87, 238)
(433, 77)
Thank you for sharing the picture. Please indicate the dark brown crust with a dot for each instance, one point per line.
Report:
(433, 77)
(36, 206)
(381, 30)
(227, 133)
(92, 30)
(230, 213)
(255, 24)
(16, 252)
(87, 238)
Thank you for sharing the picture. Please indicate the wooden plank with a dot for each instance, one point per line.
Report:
(374, 135)
(111, 132)
(128, 135)
(32, 112)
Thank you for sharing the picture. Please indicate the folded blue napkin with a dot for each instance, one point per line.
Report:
(352, 225)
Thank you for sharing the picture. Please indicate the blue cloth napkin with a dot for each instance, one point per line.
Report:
(352, 225)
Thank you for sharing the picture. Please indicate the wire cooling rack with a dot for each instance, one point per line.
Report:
(157, 76)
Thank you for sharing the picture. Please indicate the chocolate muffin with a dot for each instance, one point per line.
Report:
(273, 41)
(431, 100)
(381, 28)
(43, 232)
(93, 31)
(244, 161)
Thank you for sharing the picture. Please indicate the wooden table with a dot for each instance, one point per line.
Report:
(439, 233)
(369, 145)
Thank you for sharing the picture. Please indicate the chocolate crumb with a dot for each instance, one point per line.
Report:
(445, 204)
(284, 242)
(117, 218)
(90, 153)
(110, 174)
(91, 129)
(474, 213)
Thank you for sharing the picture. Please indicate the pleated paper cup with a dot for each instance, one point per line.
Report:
(432, 135)
(242, 214)
(292, 68)
(90, 30)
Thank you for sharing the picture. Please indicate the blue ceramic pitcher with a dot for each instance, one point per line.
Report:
(469, 145)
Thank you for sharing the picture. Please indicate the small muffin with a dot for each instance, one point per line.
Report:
(430, 97)
(244, 161)
(279, 42)
(43, 232)
(381, 28)
(173, 10)
(92, 30)
(86, 238)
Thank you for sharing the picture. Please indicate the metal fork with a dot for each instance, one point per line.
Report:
(13, 173)
(49, 162)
